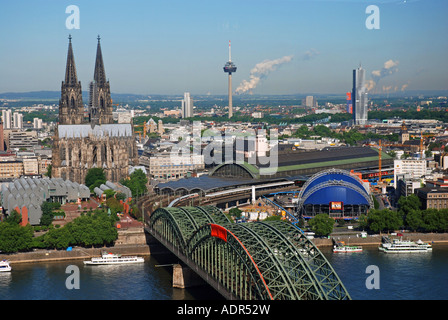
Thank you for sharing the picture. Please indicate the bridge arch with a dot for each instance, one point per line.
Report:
(217, 251)
(259, 260)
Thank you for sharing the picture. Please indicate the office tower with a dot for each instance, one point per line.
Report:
(187, 106)
(7, 117)
(230, 68)
(18, 120)
(310, 102)
(359, 97)
(2, 139)
(37, 123)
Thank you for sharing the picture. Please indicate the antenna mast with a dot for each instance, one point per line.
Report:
(230, 51)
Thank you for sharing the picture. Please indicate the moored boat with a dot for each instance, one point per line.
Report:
(404, 246)
(4, 266)
(347, 249)
(110, 258)
(340, 247)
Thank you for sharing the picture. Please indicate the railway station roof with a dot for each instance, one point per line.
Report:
(206, 183)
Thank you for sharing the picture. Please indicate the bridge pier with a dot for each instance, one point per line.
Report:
(184, 277)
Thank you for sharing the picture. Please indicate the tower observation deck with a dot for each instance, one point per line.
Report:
(230, 68)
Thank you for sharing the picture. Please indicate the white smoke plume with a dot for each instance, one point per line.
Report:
(260, 71)
(390, 67)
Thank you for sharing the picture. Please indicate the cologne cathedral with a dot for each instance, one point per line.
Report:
(85, 140)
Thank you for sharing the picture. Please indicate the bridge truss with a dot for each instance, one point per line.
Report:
(259, 260)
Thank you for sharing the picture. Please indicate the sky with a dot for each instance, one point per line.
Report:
(278, 46)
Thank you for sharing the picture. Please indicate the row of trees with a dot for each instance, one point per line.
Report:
(409, 216)
(95, 228)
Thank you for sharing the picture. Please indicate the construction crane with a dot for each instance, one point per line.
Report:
(145, 130)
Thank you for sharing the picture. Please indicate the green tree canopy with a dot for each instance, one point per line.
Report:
(15, 238)
(409, 203)
(136, 183)
(94, 178)
(322, 224)
(384, 220)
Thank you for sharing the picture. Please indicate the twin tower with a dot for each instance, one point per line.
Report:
(71, 107)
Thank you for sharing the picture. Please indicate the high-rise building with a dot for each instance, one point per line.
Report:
(7, 119)
(18, 120)
(2, 139)
(187, 106)
(37, 123)
(359, 97)
(310, 102)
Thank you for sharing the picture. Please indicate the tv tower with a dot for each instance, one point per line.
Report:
(229, 68)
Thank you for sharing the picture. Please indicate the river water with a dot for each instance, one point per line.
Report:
(401, 277)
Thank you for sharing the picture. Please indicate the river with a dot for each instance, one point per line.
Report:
(421, 276)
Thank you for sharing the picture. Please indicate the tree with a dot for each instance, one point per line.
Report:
(109, 193)
(136, 183)
(414, 220)
(15, 238)
(49, 171)
(94, 178)
(384, 220)
(435, 220)
(47, 212)
(406, 204)
(114, 205)
(321, 224)
(235, 212)
(14, 217)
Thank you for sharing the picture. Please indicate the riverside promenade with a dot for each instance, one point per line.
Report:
(353, 239)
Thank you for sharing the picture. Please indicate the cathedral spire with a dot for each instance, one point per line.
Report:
(100, 73)
(71, 107)
(70, 71)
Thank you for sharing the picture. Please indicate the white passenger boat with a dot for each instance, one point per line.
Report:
(4, 266)
(347, 249)
(341, 247)
(405, 246)
(110, 258)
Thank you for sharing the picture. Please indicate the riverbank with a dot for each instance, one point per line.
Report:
(131, 241)
(74, 254)
(353, 239)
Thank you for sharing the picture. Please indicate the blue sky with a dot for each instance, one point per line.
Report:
(172, 46)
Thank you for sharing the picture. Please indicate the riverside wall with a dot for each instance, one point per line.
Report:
(352, 239)
(131, 241)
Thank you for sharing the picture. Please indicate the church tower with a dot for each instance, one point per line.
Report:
(100, 104)
(71, 107)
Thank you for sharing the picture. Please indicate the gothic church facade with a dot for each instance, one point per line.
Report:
(82, 142)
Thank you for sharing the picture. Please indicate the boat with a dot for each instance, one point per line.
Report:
(4, 266)
(111, 258)
(340, 247)
(346, 249)
(404, 246)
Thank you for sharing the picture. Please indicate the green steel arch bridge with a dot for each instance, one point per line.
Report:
(247, 261)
